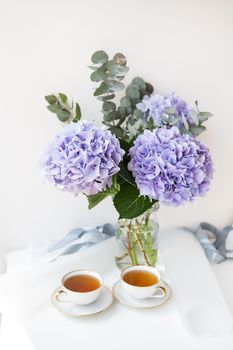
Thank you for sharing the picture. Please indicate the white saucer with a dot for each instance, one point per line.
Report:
(124, 298)
(69, 308)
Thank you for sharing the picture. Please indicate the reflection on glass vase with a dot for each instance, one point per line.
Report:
(137, 240)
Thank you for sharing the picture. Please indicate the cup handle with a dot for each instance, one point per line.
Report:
(57, 295)
(160, 291)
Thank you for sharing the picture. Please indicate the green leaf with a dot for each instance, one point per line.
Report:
(53, 108)
(62, 115)
(129, 203)
(99, 57)
(95, 199)
(196, 130)
(114, 85)
(105, 98)
(174, 121)
(149, 88)
(129, 110)
(102, 89)
(114, 115)
(137, 113)
(77, 112)
(133, 92)
(150, 124)
(126, 174)
(122, 111)
(139, 82)
(125, 145)
(117, 130)
(109, 106)
(141, 85)
(170, 110)
(203, 116)
(93, 67)
(119, 58)
(131, 120)
(194, 117)
(114, 68)
(185, 122)
(51, 99)
(122, 72)
(197, 107)
(98, 75)
(63, 97)
(125, 102)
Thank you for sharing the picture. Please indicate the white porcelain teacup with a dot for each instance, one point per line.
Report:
(157, 289)
(76, 289)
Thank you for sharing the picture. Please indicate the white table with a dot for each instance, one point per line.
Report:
(119, 326)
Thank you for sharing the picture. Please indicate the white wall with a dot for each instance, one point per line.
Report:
(182, 45)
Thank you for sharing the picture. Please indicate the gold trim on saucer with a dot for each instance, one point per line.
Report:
(53, 296)
(140, 307)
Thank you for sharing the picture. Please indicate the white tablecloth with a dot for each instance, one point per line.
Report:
(118, 327)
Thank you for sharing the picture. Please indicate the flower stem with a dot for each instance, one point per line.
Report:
(140, 245)
(134, 261)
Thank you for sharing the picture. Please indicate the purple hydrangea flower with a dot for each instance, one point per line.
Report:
(170, 167)
(164, 109)
(82, 158)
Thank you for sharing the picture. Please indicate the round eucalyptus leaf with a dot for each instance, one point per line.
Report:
(114, 68)
(125, 102)
(139, 82)
(129, 110)
(98, 75)
(149, 88)
(102, 89)
(117, 130)
(133, 92)
(137, 113)
(109, 106)
(99, 57)
(124, 70)
(131, 121)
(114, 85)
(135, 101)
(119, 58)
(122, 111)
(113, 115)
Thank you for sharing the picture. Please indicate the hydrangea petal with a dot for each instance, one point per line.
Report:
(176, 170)
(82, 158)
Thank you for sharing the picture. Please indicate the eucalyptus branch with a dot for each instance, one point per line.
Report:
(66, 112)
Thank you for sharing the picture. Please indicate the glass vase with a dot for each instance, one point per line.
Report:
(137, 240)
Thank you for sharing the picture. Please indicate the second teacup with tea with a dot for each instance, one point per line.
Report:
(142, 282)
(81, 286)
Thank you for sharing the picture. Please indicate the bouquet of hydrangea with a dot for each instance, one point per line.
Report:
(145, 154)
